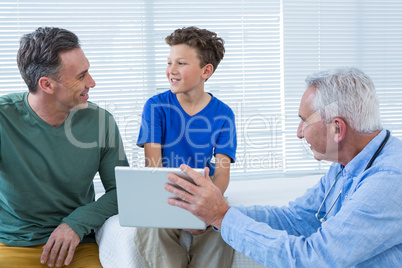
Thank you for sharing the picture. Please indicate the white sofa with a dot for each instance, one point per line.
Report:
(116, 246)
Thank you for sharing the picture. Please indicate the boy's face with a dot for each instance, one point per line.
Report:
(183, 70)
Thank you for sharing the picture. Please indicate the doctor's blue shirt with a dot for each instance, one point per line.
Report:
(363, 229)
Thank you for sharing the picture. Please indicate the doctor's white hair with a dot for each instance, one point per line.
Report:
(348, 93)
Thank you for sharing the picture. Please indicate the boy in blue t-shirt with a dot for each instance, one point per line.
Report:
(188, 125)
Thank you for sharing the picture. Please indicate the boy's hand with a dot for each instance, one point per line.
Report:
(195, 231)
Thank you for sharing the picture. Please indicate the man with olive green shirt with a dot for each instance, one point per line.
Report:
(52, 143)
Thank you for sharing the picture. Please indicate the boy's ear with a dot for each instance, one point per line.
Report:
(46, 84)
(208, 71)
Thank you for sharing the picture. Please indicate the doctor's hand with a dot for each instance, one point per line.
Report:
(62, 243)
(203, 198)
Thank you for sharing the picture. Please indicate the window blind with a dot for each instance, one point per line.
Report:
(124, 42)
(271, 45)
(319, 35)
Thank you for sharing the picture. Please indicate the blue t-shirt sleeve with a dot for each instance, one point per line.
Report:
(226, 142)
(151, 124)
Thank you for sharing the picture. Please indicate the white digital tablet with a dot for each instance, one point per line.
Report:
(142, 199)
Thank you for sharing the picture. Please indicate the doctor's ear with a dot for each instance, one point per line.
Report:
(340, 129)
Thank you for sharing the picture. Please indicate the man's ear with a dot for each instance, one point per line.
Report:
(340, 129)
(208, 71)
(46, 84)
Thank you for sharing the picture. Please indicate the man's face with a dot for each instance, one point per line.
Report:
(72, 89)
(314, 129)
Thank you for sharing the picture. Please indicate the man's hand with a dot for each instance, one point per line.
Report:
(62, 242)
(203, 199)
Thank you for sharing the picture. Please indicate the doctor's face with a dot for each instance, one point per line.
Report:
(314, 129)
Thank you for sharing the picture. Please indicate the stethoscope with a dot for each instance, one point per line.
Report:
(339, 173)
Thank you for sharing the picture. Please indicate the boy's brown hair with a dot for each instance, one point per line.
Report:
(209, 46)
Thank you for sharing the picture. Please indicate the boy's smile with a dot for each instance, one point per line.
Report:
(174, 81)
